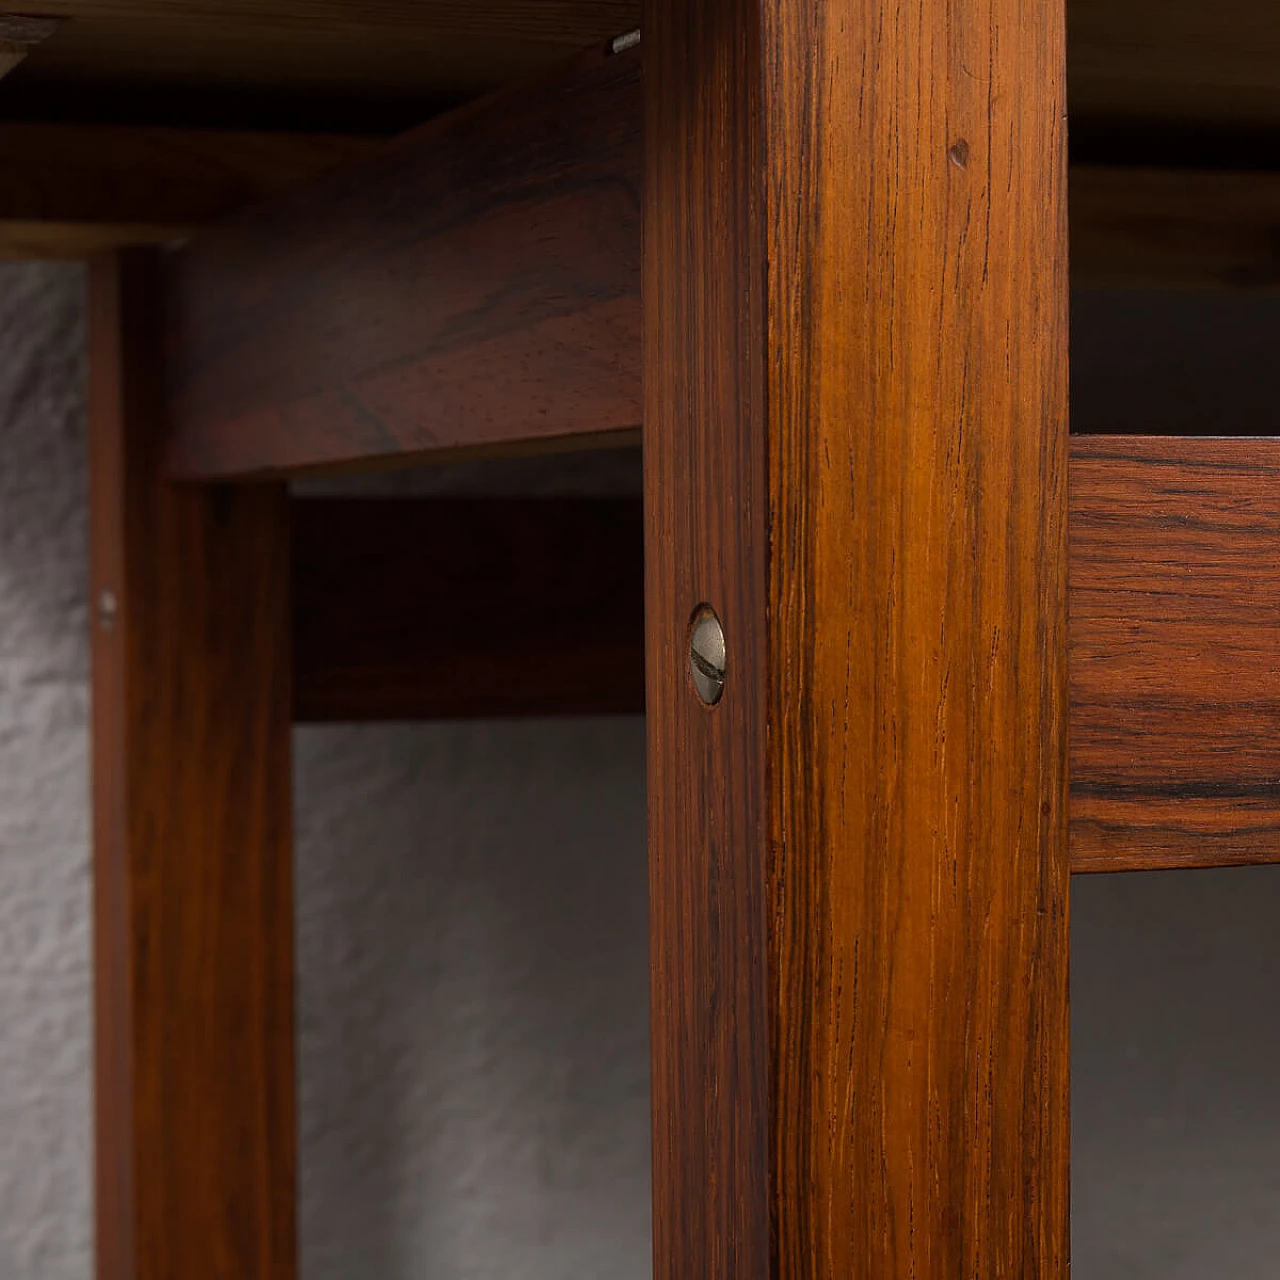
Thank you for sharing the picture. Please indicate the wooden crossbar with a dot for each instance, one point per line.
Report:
(474, 287)
(438, 608)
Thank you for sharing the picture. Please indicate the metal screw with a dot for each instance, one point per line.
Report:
(107, 610)
(707, 657)
(629, 40)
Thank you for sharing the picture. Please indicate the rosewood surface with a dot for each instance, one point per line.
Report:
(473, 286)
(193, 862)
(855, 283)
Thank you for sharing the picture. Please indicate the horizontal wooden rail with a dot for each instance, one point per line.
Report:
(1174, 652)
(438, 608)
(69, 191)
(474, 287)
(435, 608)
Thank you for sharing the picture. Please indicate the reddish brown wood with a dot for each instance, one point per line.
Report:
(432, 608)
(1175, 652)
(706, 513)
(444, 607)
(855, 441)
(1156, 228)
(193, 864)
(473, 286)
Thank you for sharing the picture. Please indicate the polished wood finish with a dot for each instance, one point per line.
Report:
(73, 191)
(193, 863)
(855, 413)
(473, 287)
(707, 509)
(1154, 228)
(427, 608)
(432, 608)
(1175, 652)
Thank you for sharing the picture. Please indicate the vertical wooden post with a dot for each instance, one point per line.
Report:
(192, 817)
(855, 416)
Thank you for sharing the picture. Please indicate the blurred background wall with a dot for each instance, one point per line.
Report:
(472, 922)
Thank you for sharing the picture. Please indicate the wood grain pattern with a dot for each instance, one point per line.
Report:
(855, 411)
(71, 191)
(1175, 652)
(1158, 228)
(472, 286)
(418, 609)
(343, 326)
(410, 609)
(192, 857)
(706, 522)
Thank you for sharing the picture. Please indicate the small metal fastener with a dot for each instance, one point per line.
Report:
(707, 656)
(622, 43)
(107, 610)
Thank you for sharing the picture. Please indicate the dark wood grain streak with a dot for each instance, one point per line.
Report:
(192, 818)
(433, 608)
(473, 286)
(855, 283)
(1175, 652)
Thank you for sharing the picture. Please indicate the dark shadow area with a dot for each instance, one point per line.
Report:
(1175, 363)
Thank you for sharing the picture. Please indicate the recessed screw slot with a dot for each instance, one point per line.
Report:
(707, 655)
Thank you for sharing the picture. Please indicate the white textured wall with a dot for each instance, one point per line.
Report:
(474, 1002)
(1176, 1075)
(471, 942)
(45, 1182)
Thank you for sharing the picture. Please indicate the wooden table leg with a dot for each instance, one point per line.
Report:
(192, 832)
(855, 439)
